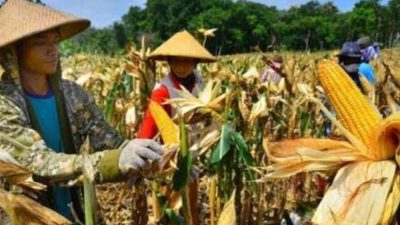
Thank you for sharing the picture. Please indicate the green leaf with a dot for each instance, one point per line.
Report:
(305, 119)
(181, 176)
(110, 103)
(172, 217)
(127, 82)
(224, 145)
(245, 157)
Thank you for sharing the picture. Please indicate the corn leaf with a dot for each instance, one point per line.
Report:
(173, 218)
(224, 145)
(181, 176)
(246, 158)
(305, 119)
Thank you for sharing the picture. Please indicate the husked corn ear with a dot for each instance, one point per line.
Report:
(353, 110)
(168, 129)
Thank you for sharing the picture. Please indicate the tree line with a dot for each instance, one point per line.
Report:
(245, 26)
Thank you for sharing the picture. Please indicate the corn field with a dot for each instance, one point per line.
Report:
(224, 134)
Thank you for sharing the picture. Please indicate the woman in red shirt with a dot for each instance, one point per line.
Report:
(182, 52)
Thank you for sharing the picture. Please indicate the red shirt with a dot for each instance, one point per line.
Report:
(148, 128)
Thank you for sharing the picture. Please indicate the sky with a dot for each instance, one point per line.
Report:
(103, 13)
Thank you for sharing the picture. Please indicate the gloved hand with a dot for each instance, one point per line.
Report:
(135, 154)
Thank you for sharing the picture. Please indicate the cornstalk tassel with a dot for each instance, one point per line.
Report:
(366, 186)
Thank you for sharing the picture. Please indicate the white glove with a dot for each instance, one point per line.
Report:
(135, 154)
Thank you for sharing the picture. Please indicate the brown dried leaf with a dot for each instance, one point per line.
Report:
(24, 211)
(228, 215)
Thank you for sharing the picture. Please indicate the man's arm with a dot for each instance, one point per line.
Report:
(27, 146)
(91, 119)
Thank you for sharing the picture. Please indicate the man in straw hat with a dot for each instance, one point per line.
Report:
(182, 52)
(350, 59)
(44, 119)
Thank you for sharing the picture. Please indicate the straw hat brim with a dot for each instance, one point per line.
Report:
(182, 44)
(20, 19)
(166, 57)
(349, 56)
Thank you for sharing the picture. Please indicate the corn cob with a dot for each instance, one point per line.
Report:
(168, 129)
(353, 110)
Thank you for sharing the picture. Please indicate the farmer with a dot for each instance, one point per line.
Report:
(182, 52)
(369, 52)
(273, 72)
(44, 120)
(350, 60)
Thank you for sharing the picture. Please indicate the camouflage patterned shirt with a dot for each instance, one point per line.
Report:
(24, 143)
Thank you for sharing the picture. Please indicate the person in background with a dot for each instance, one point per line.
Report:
(350, 60)
(182, 52)
(369, 52)
(45, 119)
(273, 72)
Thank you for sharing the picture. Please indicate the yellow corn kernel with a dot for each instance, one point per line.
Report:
(168, 129)
(353, 110)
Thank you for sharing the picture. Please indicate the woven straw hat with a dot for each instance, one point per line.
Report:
(20, 19)
(182, 44)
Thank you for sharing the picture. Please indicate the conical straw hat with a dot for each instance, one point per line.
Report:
(182, 44)
(20, 19)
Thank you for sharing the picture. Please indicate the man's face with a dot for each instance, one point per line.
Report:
(39, 54)
(182, 67)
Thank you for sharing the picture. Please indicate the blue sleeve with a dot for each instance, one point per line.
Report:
(368, 72)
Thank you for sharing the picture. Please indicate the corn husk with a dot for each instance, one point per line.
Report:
(385, 140)
(228, 215)
(24, 211)
(16, 174)
(358, 194)
(244, 110)
(301, 155)
(208, 100)
(258, 110)
(130, 116)
(393, 201)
